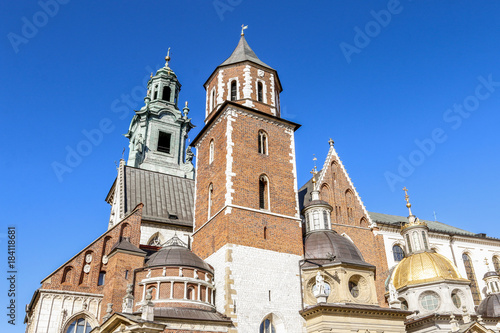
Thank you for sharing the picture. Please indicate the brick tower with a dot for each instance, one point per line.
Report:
(247, 223)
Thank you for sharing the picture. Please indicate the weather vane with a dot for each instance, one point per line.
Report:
(243, 27)
(314, 170)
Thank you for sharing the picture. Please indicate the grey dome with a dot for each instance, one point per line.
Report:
(490, 273)
(327, 243)
(176, 255)
(490, 306)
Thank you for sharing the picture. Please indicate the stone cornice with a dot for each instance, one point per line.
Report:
(352, 309)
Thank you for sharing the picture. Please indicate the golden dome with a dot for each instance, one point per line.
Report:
(424, 267)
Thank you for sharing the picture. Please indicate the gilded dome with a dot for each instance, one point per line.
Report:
(424, 267)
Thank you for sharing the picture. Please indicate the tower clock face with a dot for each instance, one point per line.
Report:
(316, 291)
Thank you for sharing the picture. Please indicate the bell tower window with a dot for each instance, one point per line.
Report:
(164, 142)
(262, 142)
(155, 95)
(212, 152)
(259, 92)
(166, 94)
(263, 192)
(233, 90)
(210, 198)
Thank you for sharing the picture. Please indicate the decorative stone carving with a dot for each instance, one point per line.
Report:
(180, 271)
(321, 295)
(164, 272)
(260, 73)
(196, 274)
(88, 258)
(128, 300)
(105, 259)
(149, 274)
(86, 268)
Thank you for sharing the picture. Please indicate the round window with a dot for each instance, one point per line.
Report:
(429, 301)
(456, 299)
(354, 288)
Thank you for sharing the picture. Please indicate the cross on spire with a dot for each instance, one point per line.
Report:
(167, 58)
(243, 27)
(407, 198)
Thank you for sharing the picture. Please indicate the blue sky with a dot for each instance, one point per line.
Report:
(409, 91)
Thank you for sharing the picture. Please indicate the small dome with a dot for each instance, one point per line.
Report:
(424, 267)
(177, 255)
(327, 243)
(490, 273)
(490, 306)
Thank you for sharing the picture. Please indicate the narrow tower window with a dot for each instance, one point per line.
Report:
(166, 94)
(164, 142)
(210, 195)
(263, 193)
(212, 151)
(212, 101)
(102, 277)
(424, 238)
(408, 243)
(259, 92)
(316, 220)
(233, 90)
(265, 232)
(325, 219)
(262, 142)
(469, 269)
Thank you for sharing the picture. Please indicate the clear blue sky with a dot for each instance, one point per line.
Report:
(375, 92)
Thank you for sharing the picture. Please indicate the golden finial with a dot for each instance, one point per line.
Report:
(314, 170)
(243, 27)
(186, 103)
(151, 76)
(167, 58)
(407, 198)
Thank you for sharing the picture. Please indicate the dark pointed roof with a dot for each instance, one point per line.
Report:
(125, 245)
(243, 52)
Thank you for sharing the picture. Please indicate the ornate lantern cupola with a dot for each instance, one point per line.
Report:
(415, 232)
(317, 212)
(490, 306)
(164, 87)
(158, 131)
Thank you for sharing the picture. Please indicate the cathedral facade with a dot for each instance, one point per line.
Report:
(230, 242)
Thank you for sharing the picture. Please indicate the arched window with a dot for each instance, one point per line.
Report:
(233, 90)
(408, 243)
(496, 264)
(155, 95)
(265, 232)
(80, 325)
(424, 238)
(325, 193)
(267, 326)
(350, 205)
(416, 241)
(210, 198)
(262, 142)
(67, 275)
(263, 192)
(260, 92)
(212, 100)
(102, 278)
(166, 94)
(469, 269)
(212, 152)
(325, 219)
(398, 253)
(155, 240)
(316, 220)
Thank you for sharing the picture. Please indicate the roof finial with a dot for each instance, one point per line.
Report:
(167, 58)
(314, 172)
(331, 142)
(407, 198)
(243, 27)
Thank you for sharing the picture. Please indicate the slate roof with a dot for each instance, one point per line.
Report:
(166, 198)
(190, 314)
(175, 255)
(433, 225)
(243, 52)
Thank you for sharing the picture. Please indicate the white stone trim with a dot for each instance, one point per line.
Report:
(294, 170)
(231, 117)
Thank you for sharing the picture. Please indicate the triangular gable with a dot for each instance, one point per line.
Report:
(338, 185)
